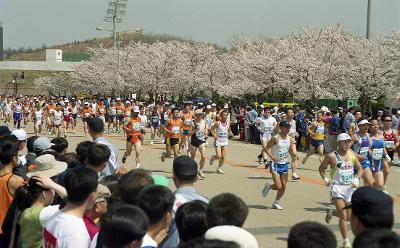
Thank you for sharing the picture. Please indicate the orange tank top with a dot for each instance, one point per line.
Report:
(87, 112)
(5, 197)
(135, 125)
(174, 126)
(187, 121)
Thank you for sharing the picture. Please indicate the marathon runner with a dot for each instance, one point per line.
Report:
(293, 135)
(187, 118)
(316, 131)
(173, 131)
(112, 113)
(133, 131)
(342, 182)
(17, 113)
(37, 119)
(57, 118)
(86, 115)
(101, 111)
(391, 143)
(120, 114)
(198, 138)
(266, 124)
(154, 124)
(67, 117)
(143, 122)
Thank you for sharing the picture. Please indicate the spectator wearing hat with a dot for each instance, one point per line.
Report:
(97, 210)
(22, 137)
(96, 129)
(184, 176)
(232, 233)
(41, 144)
(9, 182)
(371, 208)
(377, 238)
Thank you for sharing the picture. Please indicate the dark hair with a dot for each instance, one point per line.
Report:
(96, 125)
(308, 234)
(377, 238)
(226, 209)
(386, 115)
(98, 154)
(8, 150)
(156, 201)
(60, 144)
(191, 220)
(376, 221)
(110, 181)
(209, 243)
(175, 109)
(56, 155)
(82, 149)
(394, 111)
(71, 159)
(27, 194)
(80, 183)
(131, 183)
(121, 227)
(29, 143)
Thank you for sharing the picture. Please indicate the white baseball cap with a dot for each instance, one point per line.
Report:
(20, 134)
(364, 122)
(127, 102)
(213, 105)
(232, 233)
(136, 109)
(343, 137)
(118, 99)
(208, 106)
(66, 100)
(86, 103)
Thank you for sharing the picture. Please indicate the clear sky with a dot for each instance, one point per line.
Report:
(36, 22)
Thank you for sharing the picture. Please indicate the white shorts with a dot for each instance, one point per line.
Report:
(265, 136)
(219, 143)
(341, 191)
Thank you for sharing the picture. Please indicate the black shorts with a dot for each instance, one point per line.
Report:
(120, 118)
(74, 116)
(85, 119)
(172, 141)
(195, 141)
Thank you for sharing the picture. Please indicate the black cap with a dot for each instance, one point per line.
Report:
(284, 124)
(366, 200)
(4, 131)
(184, 166)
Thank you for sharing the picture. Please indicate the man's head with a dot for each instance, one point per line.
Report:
(41, 144)
(60, 145)
(124, 227)
(377, 238)
(191, 220)
(98, 156)
(81, 150)
(309, 234)
(185, 171)
(131, 183)
(357, 114)
(21, 136)
(227, 209)
(81, 186)
(157, 202)
(9, 153)
(371, 208)
(96, 126)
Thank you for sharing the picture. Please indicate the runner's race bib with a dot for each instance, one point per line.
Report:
(377, 154)
(283, 154)
(87, 115)
(320, 129)
(223, 134)
(364, 151)
(136, 126)
(175, 130)
(119, 112)
(187, 122)
(345, 176)
(388, 143)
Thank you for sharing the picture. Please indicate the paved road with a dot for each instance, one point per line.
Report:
(304, 199)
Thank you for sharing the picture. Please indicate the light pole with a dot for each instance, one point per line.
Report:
(369, 19)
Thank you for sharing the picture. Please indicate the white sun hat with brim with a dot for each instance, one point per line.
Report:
(343, 137)
(232, 233)
(48, 166)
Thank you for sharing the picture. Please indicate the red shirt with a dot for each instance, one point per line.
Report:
(90, 226)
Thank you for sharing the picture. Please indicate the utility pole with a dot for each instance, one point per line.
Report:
(116, 9)
(369, 19)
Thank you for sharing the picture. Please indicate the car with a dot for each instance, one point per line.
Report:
(200, 99)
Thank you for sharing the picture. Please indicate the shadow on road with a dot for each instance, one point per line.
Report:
(262, 207)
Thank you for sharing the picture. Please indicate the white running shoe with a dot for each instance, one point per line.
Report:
(266, 189)
(304, 160)
(212, 159)
(275, 205)
(220, 171)
(151, 142)
(201, 174)
(295, 176)
(137, 166)
(346, 244)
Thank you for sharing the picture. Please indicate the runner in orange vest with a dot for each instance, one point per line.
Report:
(133, 131)
(86, 115)
(173, 131)
(187, 118)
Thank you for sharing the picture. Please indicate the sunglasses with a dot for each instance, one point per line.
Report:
(388, 120)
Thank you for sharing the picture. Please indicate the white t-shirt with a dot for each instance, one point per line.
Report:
(62, 230)
(148, 242)
(267, 125)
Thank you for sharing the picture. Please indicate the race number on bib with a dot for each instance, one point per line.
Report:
(364, 151)
(377, 154)
(345, 177)
(176, 130)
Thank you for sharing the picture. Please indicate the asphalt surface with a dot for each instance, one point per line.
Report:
(304, 200)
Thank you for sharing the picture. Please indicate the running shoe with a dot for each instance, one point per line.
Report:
(123, 160)
(295, 176)
(137, 166)
(65, 136)
(384, 190)
(163, 157)
(220, 171)
(275, 205)
(259, 159)
(151, 142)
(346, 244)
(212, 160)
(201, 174)
(265, 190)
(329, 214)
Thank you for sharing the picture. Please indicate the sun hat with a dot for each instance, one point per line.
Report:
(47, 165)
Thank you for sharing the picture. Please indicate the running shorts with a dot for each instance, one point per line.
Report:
(133, 138)
(278, 168)
(195, 141)
(185, 132)
(219, 143)
(154, 125)
(265, 136)
(316, 143)
(17, 116)
(111, 118)
(341, 191)
(120, 118)
(172, 141)
(74, 116)
(85, 119)
(366, 164)
(67, 118)
(376, 166)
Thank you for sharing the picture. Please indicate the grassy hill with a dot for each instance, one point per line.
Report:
(75, 51)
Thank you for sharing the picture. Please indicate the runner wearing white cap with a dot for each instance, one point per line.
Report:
(342, 182)
(133, 131)
(361, 145)
(86, 115)
(120, 113)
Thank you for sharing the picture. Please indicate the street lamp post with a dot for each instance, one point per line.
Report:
(369, 19)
